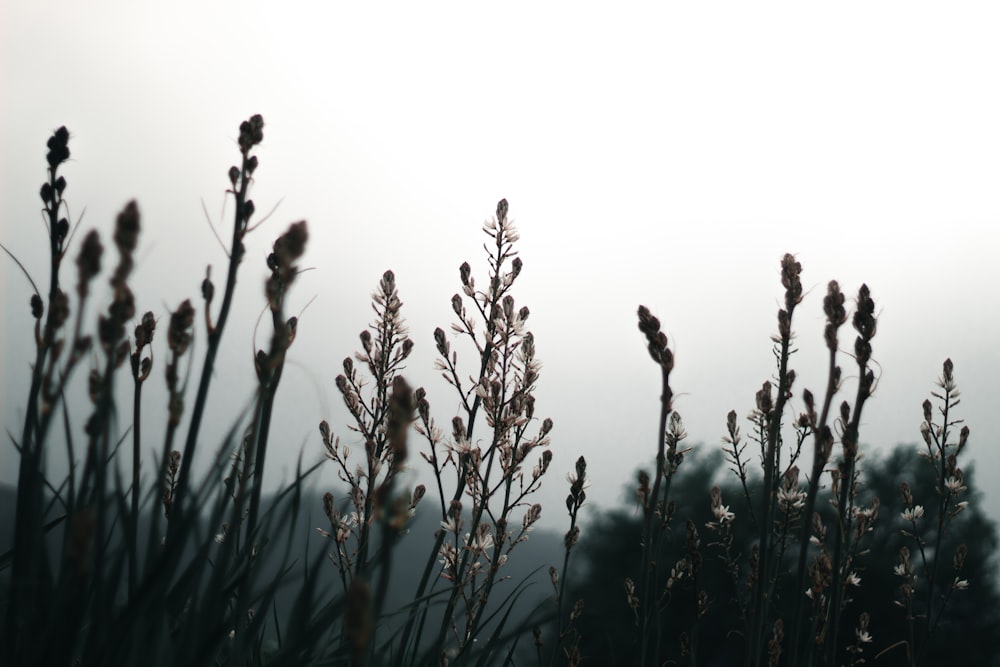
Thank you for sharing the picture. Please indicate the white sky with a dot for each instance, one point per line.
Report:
(665, 155)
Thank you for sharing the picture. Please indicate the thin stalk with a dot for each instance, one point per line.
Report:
(562, 587)
(29, 547)
(843, 530)
(865, 323)
(822, 438)
(761, 603)
(133, 557)
(249, 137)
(943, 497)
(647, 600)
(506, 362)
(459, 488)
(477, 517)
(263, 430)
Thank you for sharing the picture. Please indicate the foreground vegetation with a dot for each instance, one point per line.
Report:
(127, 564)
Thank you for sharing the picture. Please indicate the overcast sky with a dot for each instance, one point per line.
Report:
(664, 155)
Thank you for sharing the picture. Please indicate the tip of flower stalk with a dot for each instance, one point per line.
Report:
(58, 145)
(502, 211)
(127, 228)
(251, 132)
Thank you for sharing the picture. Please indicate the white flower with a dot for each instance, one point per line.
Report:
(900, 570)
(722, 513)
(863, 636)
(854, 579)
(448, 558)
(791, 498)
(954, 485)
(913, 513)
(480, 544)
(960, 584)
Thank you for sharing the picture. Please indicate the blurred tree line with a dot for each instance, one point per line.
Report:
(610, 550)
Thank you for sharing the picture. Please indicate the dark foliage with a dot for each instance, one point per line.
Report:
(610, 552)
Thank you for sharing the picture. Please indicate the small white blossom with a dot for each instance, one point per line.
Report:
(480, 544)
(854, 579)
(954, 485)
(722, 514)
(913, 513)
(791, 498)
(960, 584)
(863, 636)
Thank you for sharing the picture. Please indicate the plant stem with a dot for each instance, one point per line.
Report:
(133, 539)
(240, 220)
(646, 602)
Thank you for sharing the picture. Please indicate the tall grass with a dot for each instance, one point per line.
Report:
(164, 564)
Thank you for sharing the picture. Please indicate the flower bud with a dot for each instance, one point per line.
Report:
(37, 307)
(502, 211)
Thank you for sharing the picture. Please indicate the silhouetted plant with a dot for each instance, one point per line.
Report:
(841, 565)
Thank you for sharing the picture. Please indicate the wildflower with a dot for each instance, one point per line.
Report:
(633, 599)
(450, 525)
(863, 636)
(482, 541)
(791, 499)
(865, 512)
(960, 584)
(853, 579)
(954, 485)
(913, 513)
(678, 572)
(531, 517)
(449, 560)
(722, 514)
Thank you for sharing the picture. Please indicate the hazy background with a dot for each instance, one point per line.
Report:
(664, 156)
